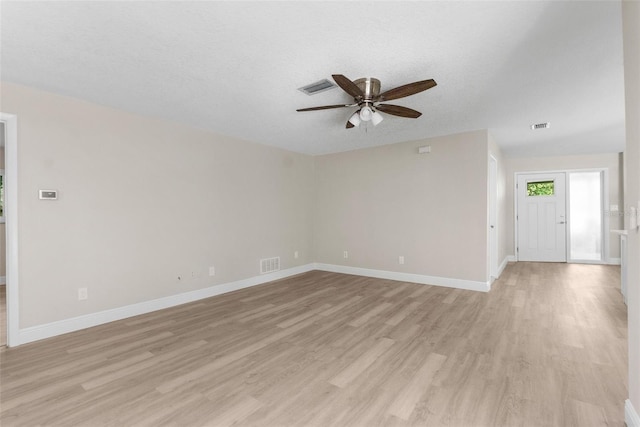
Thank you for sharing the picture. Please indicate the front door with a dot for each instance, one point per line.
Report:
(541, 217)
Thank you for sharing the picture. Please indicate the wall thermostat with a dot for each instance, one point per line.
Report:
(48, 194)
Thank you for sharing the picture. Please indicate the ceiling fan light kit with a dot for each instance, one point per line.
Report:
(355, 119)
(376, 118)
(365, 113)
(366, 95)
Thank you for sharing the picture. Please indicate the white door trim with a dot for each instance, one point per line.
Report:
(11, 214)
(515, 205)
(492, 220)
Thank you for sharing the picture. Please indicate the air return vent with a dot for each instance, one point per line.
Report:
(317, 87)
(269, 265)
(541, 126)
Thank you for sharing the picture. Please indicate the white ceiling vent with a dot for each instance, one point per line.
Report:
(317, 87)
(269, 265)
(541, 126)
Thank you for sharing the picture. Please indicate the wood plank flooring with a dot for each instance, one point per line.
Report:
(546, 347)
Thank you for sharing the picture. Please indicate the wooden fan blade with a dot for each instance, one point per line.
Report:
(406, 90)
(397, 110)
(349, 125)
(348, 86)
(326, 107)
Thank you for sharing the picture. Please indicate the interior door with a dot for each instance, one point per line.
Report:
(541, 217)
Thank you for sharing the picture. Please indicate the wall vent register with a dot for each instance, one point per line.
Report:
(48, 194)
(269, 265)
(317, 87)
(541, 126)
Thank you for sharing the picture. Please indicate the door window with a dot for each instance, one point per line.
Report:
(540, 188)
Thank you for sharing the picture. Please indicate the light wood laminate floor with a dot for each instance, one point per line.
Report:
(546, 347)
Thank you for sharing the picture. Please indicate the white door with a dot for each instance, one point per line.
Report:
(541, 217)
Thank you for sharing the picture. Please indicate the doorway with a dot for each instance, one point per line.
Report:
(560, 216)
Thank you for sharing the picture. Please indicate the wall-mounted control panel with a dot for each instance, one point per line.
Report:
(48, 194)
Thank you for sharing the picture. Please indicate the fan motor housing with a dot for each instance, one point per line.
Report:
(369, 86)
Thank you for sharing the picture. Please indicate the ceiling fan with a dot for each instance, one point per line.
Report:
(367, 97)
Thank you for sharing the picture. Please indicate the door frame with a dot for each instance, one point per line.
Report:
(11, 223)
(492, 220)
(605, 202)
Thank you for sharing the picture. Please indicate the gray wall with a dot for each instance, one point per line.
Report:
(142, 201)
(385, 202)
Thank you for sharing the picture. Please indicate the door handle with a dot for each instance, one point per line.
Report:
(561, 222)
(491, 226)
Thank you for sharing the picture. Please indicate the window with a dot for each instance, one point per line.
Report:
(540, 188)
(586, 219)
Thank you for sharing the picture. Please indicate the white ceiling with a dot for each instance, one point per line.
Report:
(234, 67)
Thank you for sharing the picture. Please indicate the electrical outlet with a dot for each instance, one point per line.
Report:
(400, 259)
(212, 271)
(345, 254)
(295, 254)
(82, 294)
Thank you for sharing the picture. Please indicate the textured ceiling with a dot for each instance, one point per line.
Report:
(234, 67)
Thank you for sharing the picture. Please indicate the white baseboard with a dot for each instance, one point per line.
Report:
(505, 261)
(60, 327)
(631, 417)
(408, 277)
